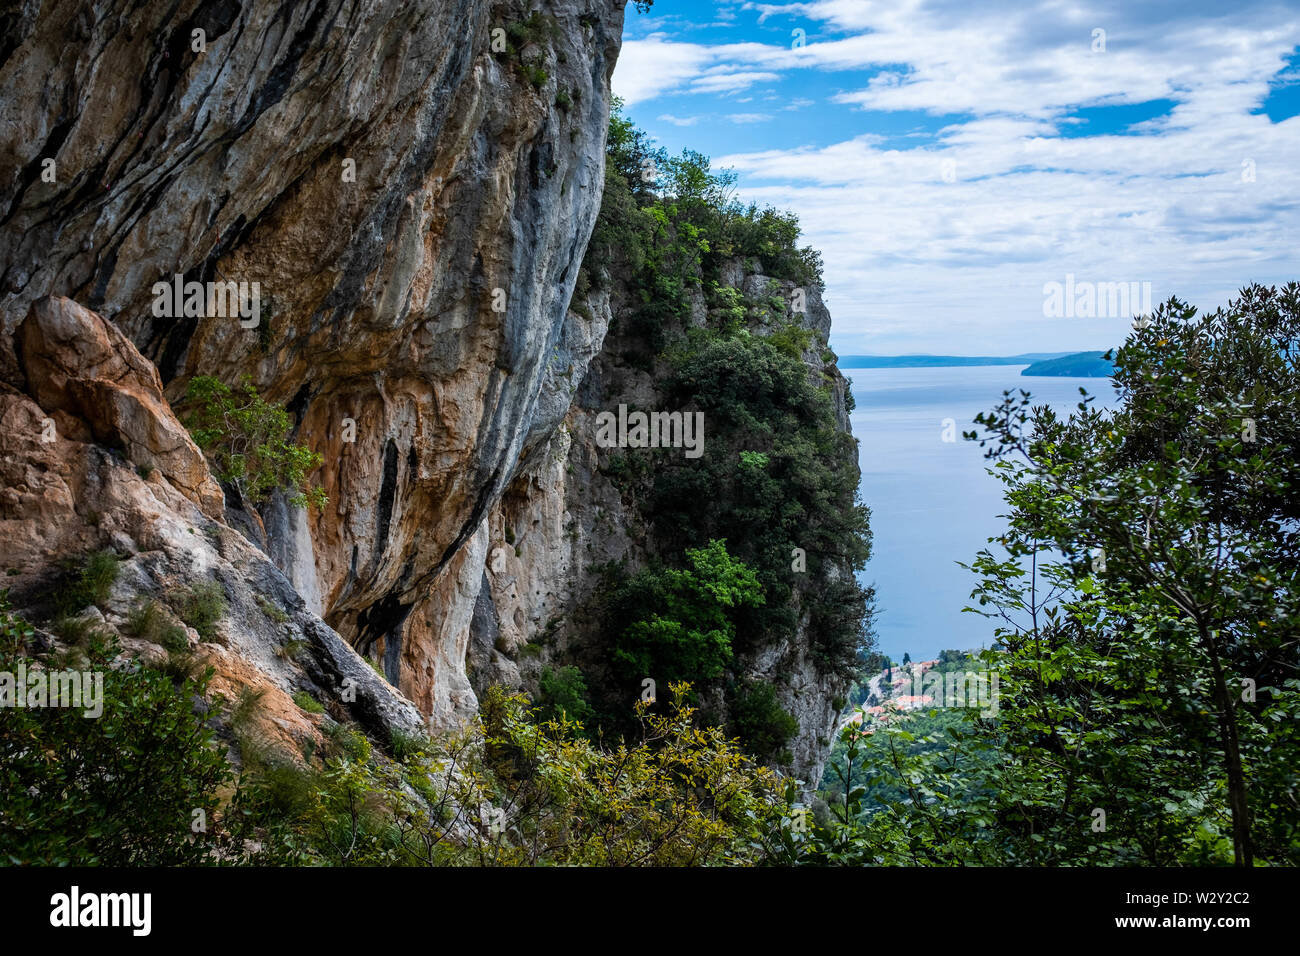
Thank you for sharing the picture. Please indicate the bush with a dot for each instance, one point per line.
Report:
(404, 745)
(760, 721)
(678, 624)
(562, 695)
(149, 622)
(246, 439)
(515, 791)
(122, 789)
(763, 410)
(307, 702)
(274, 614)
(201, 606)
(89, 584)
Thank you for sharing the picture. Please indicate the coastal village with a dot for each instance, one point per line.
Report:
(890, 693)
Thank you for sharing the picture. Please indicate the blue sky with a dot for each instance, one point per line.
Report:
(951, 157)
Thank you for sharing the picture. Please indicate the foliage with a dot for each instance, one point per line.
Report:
(512, 790)
(88, 584)
(247, 440)
(1146, 619)
(760, 721)
(780, 479)
(122, 789)
(678, 623)
(562, 695)
(761, 402)
(307, 702)
(149, 622)
(201, 606)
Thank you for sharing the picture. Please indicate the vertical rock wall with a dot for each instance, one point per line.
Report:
(412, 184)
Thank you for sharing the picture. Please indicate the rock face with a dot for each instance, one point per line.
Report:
(67, 493)
(80, 365)
(402, 194)
(564, 515)
(410, 185)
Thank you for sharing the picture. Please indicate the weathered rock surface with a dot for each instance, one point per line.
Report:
(412, 186)
(77, 363)
(66, 493)
(414, 205)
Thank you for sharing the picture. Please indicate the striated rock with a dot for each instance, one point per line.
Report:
(413, 205)
(408, 187)
(68, 496)
(77, 363)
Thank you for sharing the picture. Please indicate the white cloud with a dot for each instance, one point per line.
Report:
(723, 81)
(915, 262)
(649, 67)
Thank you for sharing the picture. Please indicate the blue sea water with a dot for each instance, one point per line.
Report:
(932, 502)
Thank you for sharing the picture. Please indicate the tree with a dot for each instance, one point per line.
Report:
(681, 624)
(1147, 628)
(1169, 633)
(246, 439)
(562, 694)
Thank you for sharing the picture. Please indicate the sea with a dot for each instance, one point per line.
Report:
(932, 501)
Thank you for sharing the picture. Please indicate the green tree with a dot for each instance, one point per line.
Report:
(1146, 619)
(1176, 516)
(562, 695)
(680, 621)
(247, 440)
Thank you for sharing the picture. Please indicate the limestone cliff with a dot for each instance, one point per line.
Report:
(408, 188)
(411, 185)
(117, 474)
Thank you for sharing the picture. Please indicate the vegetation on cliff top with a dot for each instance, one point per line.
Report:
(779, 480)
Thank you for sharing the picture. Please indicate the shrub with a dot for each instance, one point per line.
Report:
(512, 791)
(120, 790)
(291, 648)
(404, 745)
(150, 622)
(562, 694)
(677, 624)
(307, 702)
(89, 584)
(273, 613)
(760, 721)
(14, 631)
(246, 439)
(201, 606)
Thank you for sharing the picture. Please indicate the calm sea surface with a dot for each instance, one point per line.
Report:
(932, 503)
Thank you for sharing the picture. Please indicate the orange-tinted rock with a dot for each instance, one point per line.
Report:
(76, 362)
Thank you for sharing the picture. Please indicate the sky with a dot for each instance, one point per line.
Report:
(952, 158)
